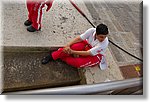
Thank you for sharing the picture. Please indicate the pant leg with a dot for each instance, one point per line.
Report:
(79, 62)
(37, 14)
(60, 54)
(82, 61)
(49, 4)
(30, 5)
(80, 46)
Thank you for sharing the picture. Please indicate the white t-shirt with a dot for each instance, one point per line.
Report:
(97, 47)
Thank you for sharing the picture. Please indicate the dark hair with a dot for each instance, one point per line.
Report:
(102, 29)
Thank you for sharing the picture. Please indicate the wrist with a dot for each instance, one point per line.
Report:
(73, 51)
(67, 45)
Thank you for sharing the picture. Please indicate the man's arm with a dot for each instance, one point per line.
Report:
(82, 53)
(67, 47)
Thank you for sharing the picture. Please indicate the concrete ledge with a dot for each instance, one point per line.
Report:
(23, 70)
(29, 48)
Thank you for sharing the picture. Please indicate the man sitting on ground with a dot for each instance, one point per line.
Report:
(85, 50)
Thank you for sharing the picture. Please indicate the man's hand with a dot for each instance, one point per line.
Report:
(67, 50)
(49, 4)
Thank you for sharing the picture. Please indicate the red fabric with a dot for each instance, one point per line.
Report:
(78, 62)
(35, 12)
(49, 4)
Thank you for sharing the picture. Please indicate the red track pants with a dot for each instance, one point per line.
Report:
(78, 62)
(35, 12)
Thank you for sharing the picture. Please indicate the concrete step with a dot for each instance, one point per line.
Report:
(23, 70)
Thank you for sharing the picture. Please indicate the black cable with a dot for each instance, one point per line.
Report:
(109, 40)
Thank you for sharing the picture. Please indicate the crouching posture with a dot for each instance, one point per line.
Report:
(83, 51)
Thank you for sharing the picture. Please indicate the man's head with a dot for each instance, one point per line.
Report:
(101, 32)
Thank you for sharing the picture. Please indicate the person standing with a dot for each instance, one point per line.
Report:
(35, 13)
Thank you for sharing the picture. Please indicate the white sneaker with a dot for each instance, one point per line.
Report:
(103, 63)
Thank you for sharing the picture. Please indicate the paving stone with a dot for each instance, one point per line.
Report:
(116, 37)
(135, 16)
(116, 53)
(132, 46)
(118, 26)
(127, 21)
(126, 56)
(92, 11)
(110, 25)
(134, 7)
(97, 4)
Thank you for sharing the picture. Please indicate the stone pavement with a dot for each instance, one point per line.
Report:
(63, 22)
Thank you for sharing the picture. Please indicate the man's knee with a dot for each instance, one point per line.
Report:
(77, 46)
